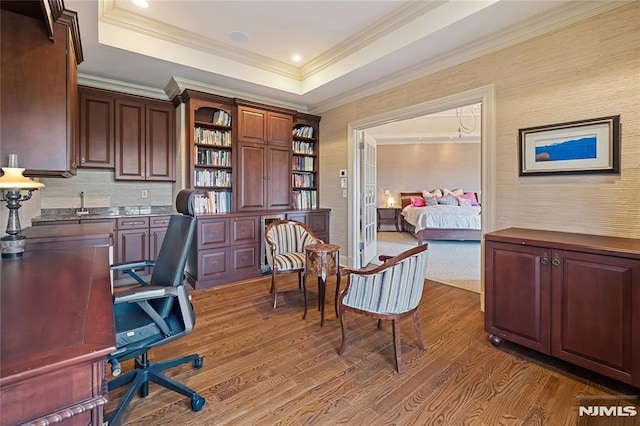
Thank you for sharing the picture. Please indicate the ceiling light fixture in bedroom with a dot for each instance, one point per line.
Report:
(462, 128)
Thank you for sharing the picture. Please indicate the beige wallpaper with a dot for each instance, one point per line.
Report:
(587, 70)
(414, 167)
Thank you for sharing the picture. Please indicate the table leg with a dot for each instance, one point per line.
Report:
(322, 284)
(397, 216)
(304, 289)
(335, 302)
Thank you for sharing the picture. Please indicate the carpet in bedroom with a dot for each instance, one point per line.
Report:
(455, 263)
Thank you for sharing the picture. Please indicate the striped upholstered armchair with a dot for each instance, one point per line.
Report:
(390, 291)
(286, 240)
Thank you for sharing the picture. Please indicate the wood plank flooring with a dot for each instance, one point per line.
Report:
(270, 367)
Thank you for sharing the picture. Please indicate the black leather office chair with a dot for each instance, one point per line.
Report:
(154, 313)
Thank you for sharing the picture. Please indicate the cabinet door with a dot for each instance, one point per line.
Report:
(156, 237)
(279, 177)
(96, 130)
(517, 294)
(130, 140)
(279, 129)
(252, 125)
(160, 142)
(133, 245)
(35, 95)
(251, 177)
(596, 313)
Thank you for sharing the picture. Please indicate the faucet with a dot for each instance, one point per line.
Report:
(82, 210)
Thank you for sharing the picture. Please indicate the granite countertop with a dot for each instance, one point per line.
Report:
(52, 215)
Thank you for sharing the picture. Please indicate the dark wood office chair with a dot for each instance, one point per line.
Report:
(391, 291)
(156, 312)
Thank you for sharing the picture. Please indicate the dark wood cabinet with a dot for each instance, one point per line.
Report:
(97, 129)
(317, 220)
(138, 238)
(573, 296)
(144, 140)
(39, 92)
(264, 159)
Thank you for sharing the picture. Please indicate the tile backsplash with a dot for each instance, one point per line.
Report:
(102, 190)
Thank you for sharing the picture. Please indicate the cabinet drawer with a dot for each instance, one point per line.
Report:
(213, 233)
(213, 264)
(245, 258)
(319, 223)
(245, 230)
(133, 222)
(159, 221)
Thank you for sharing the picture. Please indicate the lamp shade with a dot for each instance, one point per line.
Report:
(13, 179)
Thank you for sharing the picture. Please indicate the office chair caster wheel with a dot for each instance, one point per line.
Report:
(197, 363)
(197, 402)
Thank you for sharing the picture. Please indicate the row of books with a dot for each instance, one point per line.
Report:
(221, 118)
(212, 178)
(302, 163)
(212, 157)
(212, 202)
(300, 147)
(305, 180)
(304, 199)
(212, 137)
(303, 132)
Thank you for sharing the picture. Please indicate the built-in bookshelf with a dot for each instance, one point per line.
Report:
(304, 176)
(211, 159)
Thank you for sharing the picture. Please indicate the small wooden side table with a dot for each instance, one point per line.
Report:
(388, 215)
(322, 260)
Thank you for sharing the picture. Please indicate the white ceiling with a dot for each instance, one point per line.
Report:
(349, 48)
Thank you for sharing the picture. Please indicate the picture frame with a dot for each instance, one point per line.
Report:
(576, 147)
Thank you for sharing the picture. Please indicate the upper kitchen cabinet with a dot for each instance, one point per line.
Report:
(39, 53)
(263, 126)
(97, 128)
(144, 139)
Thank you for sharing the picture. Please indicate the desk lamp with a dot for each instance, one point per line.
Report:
(11, 184)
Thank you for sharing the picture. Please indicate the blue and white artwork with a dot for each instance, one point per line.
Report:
(572, 149)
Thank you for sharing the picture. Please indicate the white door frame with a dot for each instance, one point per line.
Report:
(485, 96)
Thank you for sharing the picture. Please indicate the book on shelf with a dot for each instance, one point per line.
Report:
(205, 177)
(305, 199)
(212, 157)
(302, 180)
(301, 147)
(303, 132)
(221, 118)
(212, 137)
(212, 202)
(302, 163)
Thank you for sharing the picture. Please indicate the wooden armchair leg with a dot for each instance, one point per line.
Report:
(379, 323)
(274, 288)
(300, 280)
(416, 325)
(343, 326)
(304, 289)
(397, 347)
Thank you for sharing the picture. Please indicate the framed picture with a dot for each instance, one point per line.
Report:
(587, 146)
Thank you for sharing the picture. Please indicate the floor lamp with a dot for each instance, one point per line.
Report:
(12, 185)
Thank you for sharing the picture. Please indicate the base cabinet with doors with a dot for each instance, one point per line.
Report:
(138, 238)
(228, 248)
(573, 296)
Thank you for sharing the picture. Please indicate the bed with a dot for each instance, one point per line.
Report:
(440, 222)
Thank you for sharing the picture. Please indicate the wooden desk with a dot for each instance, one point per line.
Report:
(56, 329)
(322, 260)
(388, 215)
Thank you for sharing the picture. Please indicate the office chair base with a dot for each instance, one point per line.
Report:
(145, 372)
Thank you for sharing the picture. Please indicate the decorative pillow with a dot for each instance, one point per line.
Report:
(417, 201)
(455, 192)
(431, 201)
(465, 202)
(449, 200)
(471, 197)
(434, 193)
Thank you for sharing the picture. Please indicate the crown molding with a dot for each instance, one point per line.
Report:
(120, 86)
(564, 16)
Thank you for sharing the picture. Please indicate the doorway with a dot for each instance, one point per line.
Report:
(483, 95)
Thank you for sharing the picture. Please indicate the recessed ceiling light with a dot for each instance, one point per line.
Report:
(238, 36)
(141, 3)
(296, 58)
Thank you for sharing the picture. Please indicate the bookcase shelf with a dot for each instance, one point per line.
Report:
(304, 167)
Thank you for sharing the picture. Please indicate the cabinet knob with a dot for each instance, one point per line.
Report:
(544, 260)
(83, 160)
(555, 261)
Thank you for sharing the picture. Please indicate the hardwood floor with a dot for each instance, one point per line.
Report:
(265, 367)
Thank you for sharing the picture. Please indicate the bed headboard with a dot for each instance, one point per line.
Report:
(405, 197)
